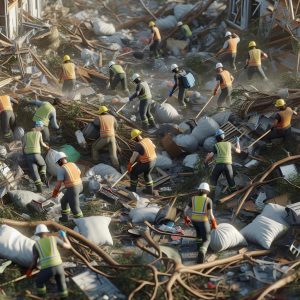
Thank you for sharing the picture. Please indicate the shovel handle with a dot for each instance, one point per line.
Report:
(200, 112)
(122, 177)
(121, 107)
(258, 139)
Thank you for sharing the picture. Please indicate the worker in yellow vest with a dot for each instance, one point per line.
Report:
(253, 62)
(7, 116)
(69, 174)
(281, 127)
(145, 155)
(224, 81)
(107, 125)
(155, 40)
(32, 143)
(185, 33)
(47, 256)
(202, 212)
(117, 75)
(229, 49)
(68, 77)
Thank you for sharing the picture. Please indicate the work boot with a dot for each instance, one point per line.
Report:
(45, 179)
(152, 124)
(148, 190)
(39, 188)
(64, 218)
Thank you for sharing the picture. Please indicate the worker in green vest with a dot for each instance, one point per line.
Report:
(223, 160)
(185, 33)
(117, 75)
(46, 255)
(201, 207)
(32, 142)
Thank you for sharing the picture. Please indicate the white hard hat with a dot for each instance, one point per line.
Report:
(135, 76)
(173, 67)
(179, 23)
(41, 228)
(228, 33)
(59, 156)
(111, 63)
(219, 65)
(204, 186)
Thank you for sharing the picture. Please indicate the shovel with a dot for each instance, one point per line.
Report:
(124, 174)
(121, 108)
(168, 97)
(200, 112)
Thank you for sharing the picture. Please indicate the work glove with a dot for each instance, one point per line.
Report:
(129, 167)
(215, 92)
(55, 193)
(237, 139)
(213, 224)
(187, 220)
(62, 234)
(170, 93)
(29, 272)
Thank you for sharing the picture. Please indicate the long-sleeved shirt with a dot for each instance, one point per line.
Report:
(138, 91)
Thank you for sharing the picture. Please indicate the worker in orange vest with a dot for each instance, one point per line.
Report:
(145, 156)
(281, 127)
(229, 49)
(155, 40)
(224, 81)
(107, 125)
(253, 62)
(69, 174)
(7, 116)
(68, 77)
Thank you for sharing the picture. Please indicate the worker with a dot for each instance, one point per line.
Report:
(107, 125)
(155, 40)
(281, 127)
(185, 33)
(46, 254)
(201, 206)
(224, 81)
(223, 150)
(178, 82)
(144, 94)
(229, 49)
(7, 116)
(253, 62)
(69, 174)
(32, 142)
(145, 156)
(46, 113)
(68, 77)
(117, 75)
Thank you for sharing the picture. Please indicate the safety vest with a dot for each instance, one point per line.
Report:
(48, 252)
(227, 82)
(5, 103)
(32, 142)
(156, 32)
(186, 30)
(73, 175)
(286, 118)
(255, 58)
(117, 69)
(69, 71)
(199, 209)
(43, 112)
(232, 45)
(107, 126)
(223, 153)
(147, 93)
(149, 151)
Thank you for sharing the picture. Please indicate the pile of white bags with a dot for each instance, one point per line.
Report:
(23, 198)
(166, 113)
(206, 127)
(105, 171)
(209, 144)
(222, 117)
(142, 214)
(103, 28)
(187, 142)
(163, 161)
(191, 161)
(52, 166)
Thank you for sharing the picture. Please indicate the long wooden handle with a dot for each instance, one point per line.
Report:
(122, 176)
(121, 107)
(204, 107)
(259, 138)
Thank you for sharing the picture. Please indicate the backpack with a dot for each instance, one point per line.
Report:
(188, 80)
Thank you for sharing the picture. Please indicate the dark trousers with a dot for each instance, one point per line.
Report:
(8, 122)
(257, 71)
(46, 134)
(154, 49)
(225, 97)
(225, 169)
(229, 59)
(119, 78)
(36, 164)
(138, 169)
(182, 99)
(278, 133)
(145, 112)
(70, 199)
(68, 87)
(203, 234)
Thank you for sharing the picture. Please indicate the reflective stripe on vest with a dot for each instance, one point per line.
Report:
(286, 118)
(73, 175)
(156, 34)
(147, 93)
(107, 126)
(48, 252)
(232, 45)
(32, 142)
(68, 71)
(117, 69)
(149, 151)
(227, 82)
(43, 112)
(223, 153)
(5, 103)
(199, 208)
(187, 31)
(255, 57)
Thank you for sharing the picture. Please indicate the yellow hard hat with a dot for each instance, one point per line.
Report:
(151, 23)
(67, 57)
(102, 109)
(280, 103)
(135, 133)
(252, 44)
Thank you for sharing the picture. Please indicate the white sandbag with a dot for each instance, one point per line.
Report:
(166, 113)
(181, 10)
(95, 229)
(275, 212)
(206, 127)
(225, 237)
(263, 231)
(209, 144)
(105, 171)
(186, 141)
(166, 23)
(15, 246)
(222, 117)
(184, 128)
(18, 133)
(3, 151)
(52, 166)
(140, 215)
(163, 162)
(103, 28)
(23, 198)
(191, 161)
